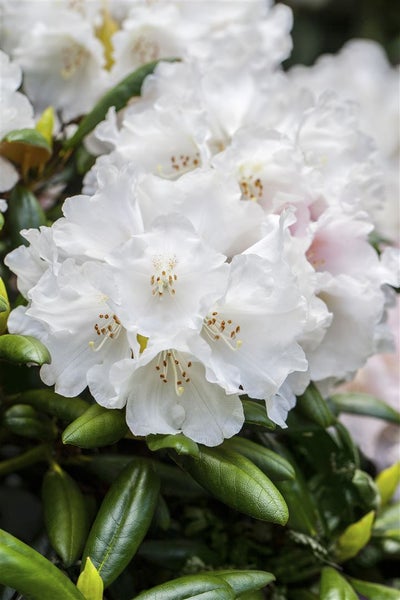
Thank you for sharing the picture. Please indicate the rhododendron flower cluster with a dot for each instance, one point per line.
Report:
(220, 247)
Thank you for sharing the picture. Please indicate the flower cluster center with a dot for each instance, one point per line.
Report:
(164, 278)
(72, 57)
(252, 188)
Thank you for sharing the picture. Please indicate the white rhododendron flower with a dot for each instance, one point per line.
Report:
(220, 247)
(16, 113)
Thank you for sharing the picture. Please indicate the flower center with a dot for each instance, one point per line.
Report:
(108, 328)
(252, 188)
(220, 329)
(145, 49)
(72, 57)
(170, 366)
(164, 277)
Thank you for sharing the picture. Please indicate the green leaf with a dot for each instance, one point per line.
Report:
(244, 581)
(237, 482)
(24, 212)
(387, 482)
(374, 591)
(256, 414)
(96, 427)
(26, 459)
(27, 571)
(47, 401)
(334, 586)
(180, 443)
(355, 537)
(25, 147)
(271, 463)
(388, 518)
(202, 586)
(24, 420)
(23, 349)
(90, 583)
(117, 96)
(364, 404)
(312, 405)
(65, 514)
(122, 521)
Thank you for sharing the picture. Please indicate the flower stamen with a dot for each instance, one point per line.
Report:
(220, 329)
(110, 328)
(169, 360)
(164, 278)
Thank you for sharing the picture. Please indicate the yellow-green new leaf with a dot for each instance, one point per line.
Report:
(374, 591)
(90, 584)
(387, 482)
(45, 125)
(355, 537)
(334, 587)
(4, 307)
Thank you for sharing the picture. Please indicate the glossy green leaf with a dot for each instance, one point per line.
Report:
(123, 520)
(347, 443)
(202, 587)
(180, 443)
(24, 212)
(355, 537)
(65, 514)
(23, 349)
(334, 586)
(387, 482)
(96, 427)
(244, 581)
(389, 517)
(271, 463)
(24, 420)
(365, 404)
(27, 571)
(175, 556)
(374, 591)
(237, 482)
(90, 583)
(118, 96)
(47, 401)
(312, 405)
(256, 414)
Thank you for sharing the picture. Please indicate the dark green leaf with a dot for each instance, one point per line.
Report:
(375, 591)
(26, 459)
(27, 571)
(256, 414)
(23, 349)
(364, 404)
(312, 405)
(202, 586)
(65, 514)
(96, 427)
(174, 556)
(24, 420)
(334, 586)
(244, 581)
(237, 482)
(47, 401)
(271, 463)
(117, 96)
(24, 212)
(367, 490)
(180, 443)
(122, 521)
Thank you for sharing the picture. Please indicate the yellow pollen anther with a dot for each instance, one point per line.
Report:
(217, 329)
(110, 330)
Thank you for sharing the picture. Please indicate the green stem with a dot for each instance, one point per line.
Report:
(26, 459)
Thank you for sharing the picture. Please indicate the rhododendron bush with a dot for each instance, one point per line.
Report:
(200, 266)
